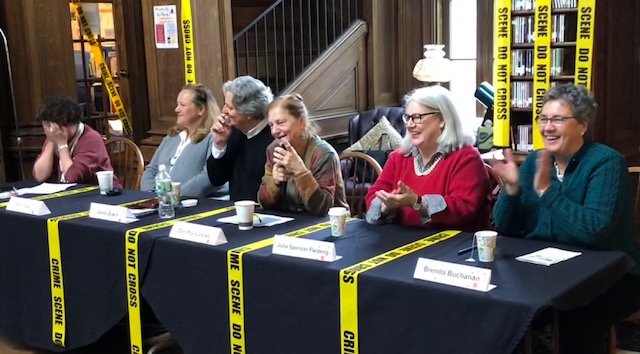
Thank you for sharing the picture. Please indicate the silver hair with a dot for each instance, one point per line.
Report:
(250, 96)
(454, 136)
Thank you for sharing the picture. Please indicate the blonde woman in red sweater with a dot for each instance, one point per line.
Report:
(436, 178)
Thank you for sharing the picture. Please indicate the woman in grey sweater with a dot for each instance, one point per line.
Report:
(188, 144)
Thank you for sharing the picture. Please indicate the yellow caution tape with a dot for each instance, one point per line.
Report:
(502, 73)
(541, 64)
(584, 42)
(187, 42)
(133, 273)
(59, 194)
(349, 337)
(104, 70)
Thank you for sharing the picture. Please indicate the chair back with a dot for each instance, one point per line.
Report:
(356, 187)
(127, 161)
(363, 122)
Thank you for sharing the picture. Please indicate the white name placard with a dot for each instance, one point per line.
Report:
(111, 213)
(459, 275)
(208, 235)
(28, 206)
(303, 248)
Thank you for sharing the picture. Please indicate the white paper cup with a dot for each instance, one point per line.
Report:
(486, 242)
(338, 219)
(244, 212)
(105, 181)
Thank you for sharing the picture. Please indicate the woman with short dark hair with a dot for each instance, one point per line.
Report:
(72, 151)
(575, 192)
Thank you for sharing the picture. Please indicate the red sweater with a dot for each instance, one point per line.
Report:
(89, 156)
(460, 178)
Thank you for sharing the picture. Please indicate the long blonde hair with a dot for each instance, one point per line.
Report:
(201, 96)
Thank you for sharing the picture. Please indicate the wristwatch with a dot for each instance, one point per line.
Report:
(418, 204)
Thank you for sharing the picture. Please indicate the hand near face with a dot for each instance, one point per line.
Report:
(542, 178)
(221, 131)
(287, 157)
(508, 172)
(399, 197)
(55, 133)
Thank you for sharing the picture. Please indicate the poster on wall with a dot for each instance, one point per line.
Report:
(165, 22)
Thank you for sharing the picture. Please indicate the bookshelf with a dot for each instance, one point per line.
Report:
(538, 44)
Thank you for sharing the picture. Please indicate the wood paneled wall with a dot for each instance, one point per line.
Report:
(39, 36)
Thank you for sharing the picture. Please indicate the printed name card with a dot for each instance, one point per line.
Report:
(459, 275)
(111, 213)
(303, 248)
(28, 206)
(208, 235)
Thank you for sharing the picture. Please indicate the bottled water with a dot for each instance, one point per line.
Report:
(165, 193)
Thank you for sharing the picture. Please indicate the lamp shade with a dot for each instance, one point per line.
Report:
(434, 67)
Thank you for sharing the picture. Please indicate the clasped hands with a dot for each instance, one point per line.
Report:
(286, 162)
(399, 197)
(510, 174)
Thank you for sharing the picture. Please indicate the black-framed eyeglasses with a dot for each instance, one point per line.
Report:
(555, 120)
(416, 117)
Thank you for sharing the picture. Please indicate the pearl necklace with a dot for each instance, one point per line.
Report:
(416, 165)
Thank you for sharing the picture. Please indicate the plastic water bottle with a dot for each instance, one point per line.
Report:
(165, 193)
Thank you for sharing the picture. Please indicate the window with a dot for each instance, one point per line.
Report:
(91, 96)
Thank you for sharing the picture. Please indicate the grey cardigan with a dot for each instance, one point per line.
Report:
(190, 168)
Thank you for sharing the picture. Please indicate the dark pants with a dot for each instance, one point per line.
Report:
(586, 330)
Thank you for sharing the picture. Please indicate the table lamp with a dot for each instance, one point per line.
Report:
(434, 68)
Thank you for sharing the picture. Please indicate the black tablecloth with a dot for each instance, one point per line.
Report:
(292, 305)
(92, 253)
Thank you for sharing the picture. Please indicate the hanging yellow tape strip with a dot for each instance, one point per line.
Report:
(542, 64)
(133, 273)
(58, 331)
(104, 70)
(502, 73)
(349, 335)
(236, 284)
(187, 42)
(59, 194)
(584, 42)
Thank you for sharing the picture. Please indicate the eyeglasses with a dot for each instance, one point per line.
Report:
(417, 117)
(555, 120)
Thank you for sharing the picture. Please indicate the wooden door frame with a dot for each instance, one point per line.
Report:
(130, 48)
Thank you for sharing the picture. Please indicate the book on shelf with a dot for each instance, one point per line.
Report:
(528, 5)
(524, 138)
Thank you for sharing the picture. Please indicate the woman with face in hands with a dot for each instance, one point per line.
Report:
(575, 192)
(184, 151)
(436, 178)
(302, 171)
(72, 151)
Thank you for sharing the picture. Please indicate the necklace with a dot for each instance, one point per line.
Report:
(417, 169)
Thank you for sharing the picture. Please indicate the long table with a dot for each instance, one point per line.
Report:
(290, 305)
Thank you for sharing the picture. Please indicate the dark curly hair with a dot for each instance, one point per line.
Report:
(579, 99)
(61, 110)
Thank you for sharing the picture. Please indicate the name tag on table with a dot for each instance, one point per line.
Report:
(28, 206)
(115, 213)
(303, 248)
(208, 235)
(459, 275)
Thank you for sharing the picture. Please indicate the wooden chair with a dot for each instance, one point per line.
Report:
(127, 161)
(356, 184)
(495, 185)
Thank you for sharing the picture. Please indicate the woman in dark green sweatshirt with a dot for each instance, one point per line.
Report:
(576, 192)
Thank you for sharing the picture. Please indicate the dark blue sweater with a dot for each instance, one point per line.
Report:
(591, 208)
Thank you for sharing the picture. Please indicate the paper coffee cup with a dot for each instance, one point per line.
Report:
(486, 242)
(244, 213)
(338, 219)
(105, 181)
